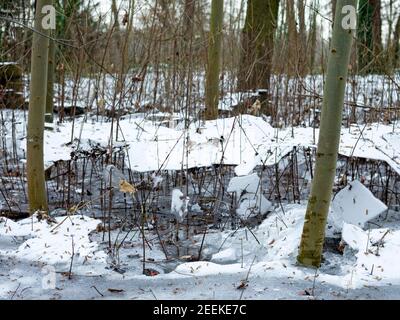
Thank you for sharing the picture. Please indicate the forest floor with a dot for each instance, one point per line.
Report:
(236, 265)
(216, 176)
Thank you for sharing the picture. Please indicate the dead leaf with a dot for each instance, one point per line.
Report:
(151, 272)
(126, 187)
(243, 284)
(187, 258)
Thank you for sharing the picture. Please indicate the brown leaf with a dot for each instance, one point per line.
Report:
(151, 272)
(243, 284)
(126, 187)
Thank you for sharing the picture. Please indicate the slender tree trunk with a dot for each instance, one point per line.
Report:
(50, 82)
(214, 59)
(37, 103)
(369, 36)
(313, 236)
(396, 43)
(115, 13)
(292, 47)
(258, 44)
(312, 40)
(333, 2)
(302, 42)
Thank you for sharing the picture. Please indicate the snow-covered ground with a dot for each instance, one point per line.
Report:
(37, 257)
(244, 140)
(71, 258)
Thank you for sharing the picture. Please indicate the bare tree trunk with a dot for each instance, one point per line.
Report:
(396, 43)
(313, 236)
(312, 40)
(50, 82)
(369, 36)
(302, 41)
(258, 44)
(37, 103)
(214, 59)
(333, 2)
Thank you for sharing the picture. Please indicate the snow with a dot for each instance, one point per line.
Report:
(355, 204)
(248, 195)
(370, 257)
(247, 166)
(267, 256)
(225, 256)
(245, 184)
(179, 204)
(205, 268)
(51, 243)
(244, 141)
(152, 147)
(378, 254)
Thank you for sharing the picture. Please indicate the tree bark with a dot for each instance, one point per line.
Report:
(302, 40)
(313, 236)
(37, 103)
(214, 59)
(50, 82)
(396, 43)
(258, 44)
(369, 36)
(292, 60)
(333, 9)
(312, 40)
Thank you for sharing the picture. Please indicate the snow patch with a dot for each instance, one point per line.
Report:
(355, 204)
(52, 243)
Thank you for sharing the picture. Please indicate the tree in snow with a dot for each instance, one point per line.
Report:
(37, 103)
(50, 81)
(258, 44)
(214, 59)
(313, 236)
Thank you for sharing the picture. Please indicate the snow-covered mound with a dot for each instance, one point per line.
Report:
(248, 194)
(378, 253)
(245, 141)
(53, 243)
(356, 205)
